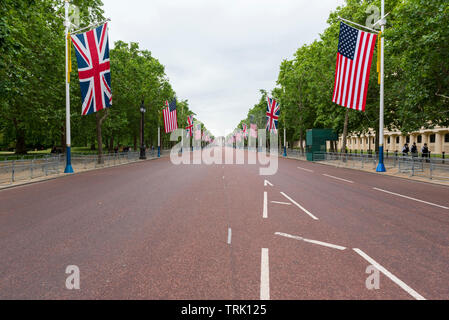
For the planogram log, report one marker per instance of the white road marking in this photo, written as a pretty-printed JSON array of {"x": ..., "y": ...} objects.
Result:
[
  {"x": 325, "y": 244},
  {"x": 264, "y": 276},
  {"x": 279, "y": 202},
  {"x": 223, "y": 177},
  {"x": 267, "y": 182},
  {"x": 308, "y": 170},
  {"x": 299, "y": 206},
  {"x": 392, "y": 277},
  {"x": 327, "y": 175},
  {"x": 265, "y": 210},
  {"x": 400, "y": 195},
  {"x": 229, "y": 235}
]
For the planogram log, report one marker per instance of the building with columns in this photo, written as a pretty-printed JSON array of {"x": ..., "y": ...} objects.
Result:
[{"x": 437, "y": 140}]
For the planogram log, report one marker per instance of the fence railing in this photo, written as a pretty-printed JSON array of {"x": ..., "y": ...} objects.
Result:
[
  {"x": 431, "y": 168},
  {"x": 26, "y": 169}
]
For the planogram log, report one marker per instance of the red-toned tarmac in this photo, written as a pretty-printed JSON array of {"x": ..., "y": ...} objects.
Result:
[{"x": 155, "y": 230}]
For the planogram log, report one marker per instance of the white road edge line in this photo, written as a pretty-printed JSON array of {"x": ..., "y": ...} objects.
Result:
[
  {"x": 265, "y": 182},
  {"x": 308, "y": 170},
  {"x": 265, "y": 210},
  {"x": 264, "y": 276},
  {"x": 392, "y": 277},
  {"x": 229, "y": 235},
  {"x": 279, "y": 202},
  {"x": 327, "y": 175},
  {"x": 325, "y": 244},
  {"x": 400, "y": 195},
  {"x": 299, "y": 206}
]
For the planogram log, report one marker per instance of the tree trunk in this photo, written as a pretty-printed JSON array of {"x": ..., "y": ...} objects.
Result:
[
  {"x": 20, "y": 139},
  {"x": 111, "y": 144},
  {"x": 345, "y": 131},
  {"x": 301, "y": 138},
  {"x": 100, "y": 120},
  {"x": 135, "y": 142},
  {"x": 63, "y": 141}
]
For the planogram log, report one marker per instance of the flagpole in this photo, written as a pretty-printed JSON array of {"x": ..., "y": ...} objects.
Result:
[
  {"x": 68, "y": 167},
  {"x": 381, "y": 166}
]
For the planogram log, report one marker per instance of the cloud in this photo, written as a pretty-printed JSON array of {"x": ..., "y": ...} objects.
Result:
[{"x": 218, "y": 54}]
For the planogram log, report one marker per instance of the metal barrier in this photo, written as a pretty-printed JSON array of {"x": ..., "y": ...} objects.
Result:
[
  {"x": 431, "y": 168},
  {"x": 27, "y": 169}
]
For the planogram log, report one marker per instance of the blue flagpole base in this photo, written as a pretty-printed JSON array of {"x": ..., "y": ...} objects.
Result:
[
  {"x": 285, "y": 151},
  {"x": 381, "y": 168},
  {"x": 68, "y": 166},
  {"x": 158, "y": 152}
]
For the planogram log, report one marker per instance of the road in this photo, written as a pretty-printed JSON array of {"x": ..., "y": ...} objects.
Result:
[{"x": 155, "y": 230}]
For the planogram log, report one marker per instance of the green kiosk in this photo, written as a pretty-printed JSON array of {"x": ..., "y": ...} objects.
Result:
[{"x": 316, "y": 142}]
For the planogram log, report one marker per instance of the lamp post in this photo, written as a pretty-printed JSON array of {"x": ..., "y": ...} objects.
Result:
[
  {"x": 142, "y": 144},
  {"x": 381, "y": 166}
]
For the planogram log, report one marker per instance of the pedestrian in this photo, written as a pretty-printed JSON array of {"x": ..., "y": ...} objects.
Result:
[
  {"x": 425, "y": 151},
  {"x": 405, "y": 149},
  {"x": 414, "y": 150}
]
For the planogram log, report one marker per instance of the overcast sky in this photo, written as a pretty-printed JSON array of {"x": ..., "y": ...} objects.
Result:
[{"x": 218, "y": 54}]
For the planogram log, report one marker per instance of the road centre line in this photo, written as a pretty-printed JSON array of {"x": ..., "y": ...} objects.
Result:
[
  {"x": 299, "y": 206},
  {"x": 264, "y": 276},
  {"x": 265, "y": 210},
  {"x": 325, "y": 244},
  {"x": 392, "y": 277},
  {"x": 400, "y": 195},
  {"x": 308, "y": 170},
  {"x": 279, "y": 202},
  {"x": 229, "y": 235},
  {"x": 327, "y": 175}
]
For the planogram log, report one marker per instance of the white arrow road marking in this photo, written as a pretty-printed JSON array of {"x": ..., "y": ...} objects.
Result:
[
  {"x": 392, "y": 277},
  {"x": 325, "y": 244},
  {"x": 264, "y": 276},
  {"x": 267, "y": 182},
  {"x": 400, "y": 195},
  {"x": 229, "y": 235},
  {"x": 278, "y": 202},
  {"x": 299, "y": 206}
]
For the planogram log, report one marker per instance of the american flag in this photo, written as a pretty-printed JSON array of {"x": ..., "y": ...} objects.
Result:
[
  {"x": 189, "y": 127},
  {"x": 355, "y": 53},
  {"x": 94, "y": 71},
  {"x": 273, "y": 111},
  {"x": 170, "y": 116}
]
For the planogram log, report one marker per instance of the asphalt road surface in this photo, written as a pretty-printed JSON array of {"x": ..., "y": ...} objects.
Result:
[{"x": 155, "y": 230}]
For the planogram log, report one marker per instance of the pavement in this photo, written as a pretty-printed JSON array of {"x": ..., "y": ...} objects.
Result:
[{"x": 155, "y": 230}]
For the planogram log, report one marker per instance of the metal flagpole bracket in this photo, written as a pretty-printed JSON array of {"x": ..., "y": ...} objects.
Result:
[
  {"x": 359, "y": 25},
  {"x": 382, "y": 21},
  {"x": 91, "y": 26}
]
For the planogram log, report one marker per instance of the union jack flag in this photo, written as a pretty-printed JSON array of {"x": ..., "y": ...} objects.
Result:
[
  {"x": 245, "y": 130},
  {"x": 92, "y": 55},
  {"x": 189, "y": 127},
  {"x": 273, "y": 111}
]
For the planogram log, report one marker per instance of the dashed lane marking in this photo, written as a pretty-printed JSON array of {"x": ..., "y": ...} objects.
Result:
[
  {"x": 341, "y": 179},
  {"x": 264, "y": 276},
  {"x": 308, "y": 170},
  {"x": 400, "y": 195}
]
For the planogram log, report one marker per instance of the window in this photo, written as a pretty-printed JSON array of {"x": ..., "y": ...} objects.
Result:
[
  {"x": 446, "y": 137},
  {"x": 397, "y": 139},
  {"x": 366, "y": 140},
  {"x": 407, "y": 139},
  {"x": 432, "y": 138},
  {"x": 419, "y": 138},
  {"x": 388, "y": 140},
  {"x": 374, "y": 141}
]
